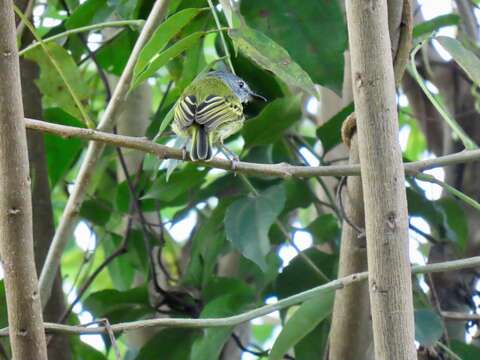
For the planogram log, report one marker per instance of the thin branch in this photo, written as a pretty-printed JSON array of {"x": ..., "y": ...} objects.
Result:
[
  {"x": 120, "y": 23},
  {"x": 282, "y": 170},
  {"x": 21, "y": 25},
  {"x": 94, "y": 151},
  {"x": 452, "y": 315},
  {"x": 222, "y": 37},
  {"x": 255, "y": 313}
]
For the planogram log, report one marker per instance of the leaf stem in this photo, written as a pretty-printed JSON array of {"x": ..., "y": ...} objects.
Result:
[
  {"x": 456, "y": 128},
  {"x": 222, "y": 37},
  {"x": 121, "y": 23}
]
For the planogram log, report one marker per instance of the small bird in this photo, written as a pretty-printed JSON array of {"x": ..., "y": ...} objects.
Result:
[{"x": 210, "y": 110}]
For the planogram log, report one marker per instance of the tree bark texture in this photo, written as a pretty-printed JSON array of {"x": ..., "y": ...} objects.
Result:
[
  {"x": 351, "y": 312},
  {"x": 383, "y": 181},
  {"x": 27, "y": 337}
]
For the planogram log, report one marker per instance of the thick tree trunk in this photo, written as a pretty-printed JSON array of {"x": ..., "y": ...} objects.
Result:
[
  {"x": 27, "y": 337},
  {"x": 383, "y": 180}
]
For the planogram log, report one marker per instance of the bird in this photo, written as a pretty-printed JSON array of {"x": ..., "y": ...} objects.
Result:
[{"x": 209, "y": 110}]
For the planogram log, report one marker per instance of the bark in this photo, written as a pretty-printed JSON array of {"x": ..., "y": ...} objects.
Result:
[
  {"x": 351, "y": 312},
  {"x": 43, "y": 226},
  {"x": 383, "y": 180},
  {"x": 27, "y": 337}
]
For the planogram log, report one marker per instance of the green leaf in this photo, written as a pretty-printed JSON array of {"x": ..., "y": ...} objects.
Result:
[
  {"x": 207, "y": 243},
  {"x": 467, "y": 60},
  {"x": 82, "y": 351},
  {"x": 61, "y": 153},
  {"x": 454, "y": 220},
  {"x": 105, "y": 301},
  {"x": 428, "y": 327},
  {"x": 314, "y": 343},
  {"x": 272, "y": 122},
  {"x": 324, "y": 228},
  {"x": 96, "y": 211},
  {"x": 298, "y": 275},
  {"x": 465, "y": 351},
  {"x": 271, "y": 56},
  {"x": 312, "y": 31},
  {"x": 248, "y": 220},
  {"x": 119, "y": 269},
  {"x": 90, "y": 12},
  {"x": 234, "y": 300},
  {"x": 52, "y": 85},
  {"x": 114, "y": 55},
  {"x": 3, "y": 306},
  {"x": 162, "y": 35},
  {"x": 429, "y": 26},
  {"x": 165, "y": 56},
  {"x": 169, "y": 344},
  {"x": 329, "y": 132},
  {"x": 302, "y": 322}
]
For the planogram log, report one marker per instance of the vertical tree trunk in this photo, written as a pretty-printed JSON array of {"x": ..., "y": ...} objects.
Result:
[
  {"x": 351, "y": 313},
  {"x": 383, "y": 180},
  {"x": 27, "y": 335}
]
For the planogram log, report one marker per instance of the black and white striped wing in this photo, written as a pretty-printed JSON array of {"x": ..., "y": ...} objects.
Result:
[
  {"x": 185, "y": 111},
  {"x": 215, "y": 111}
]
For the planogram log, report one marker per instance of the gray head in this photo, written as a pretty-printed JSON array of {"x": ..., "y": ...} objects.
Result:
[{"x": 238, "y": 86}]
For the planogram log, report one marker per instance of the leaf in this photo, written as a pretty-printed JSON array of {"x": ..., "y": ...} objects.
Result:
[
  {"x": 90, "y": 12},
  {"x": 52, "y": 85},
  {"x": 169, "y": 344},
  {"x": 298, "y": 276},
  {"x": 105, "y": 301},
  {"x": 271, "y": 56},
  {"x": 248, "y": 220},
  {"x": 314, "y": 343},
  {"x": 61, "y": 153},
  {"x": 454, "y": 220},
  {"x": 272, "y": 122},
  {"x": 96, "y": 211},
  {"x": 119, "y": 269},
  {"x": 114, "y": 55},
  {"x": 83, "y": 351},
  {"x": 329, "y": 132},
  {"x": 465, "y": 351},
  {"x": 234, "y": 300},
  {"x": 164, "y": 57},
  {"x": 429, "y": 26},
  {"x": 324, "y": 228},
  {"x": 207, "y": 243},
  {"x": 428, "y": 327},
  {"x": 467, "y": 60},
  {"x": 301, "y": 323},
  {"x": 162, "y": 35},
  {"x": 312, "y": 31}
]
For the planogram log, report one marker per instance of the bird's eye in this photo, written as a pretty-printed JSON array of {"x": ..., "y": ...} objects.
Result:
[{"x": 241, "y": 84}]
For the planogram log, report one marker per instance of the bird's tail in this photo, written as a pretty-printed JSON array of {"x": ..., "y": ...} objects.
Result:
[{"x": 201, "y": 144}]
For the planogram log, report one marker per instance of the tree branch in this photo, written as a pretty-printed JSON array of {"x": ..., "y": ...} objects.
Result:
[
  {"x": 252, "y": 314},
  {"x": 282, "y": 170},
  {"x": 383, "y": 181},
  {"x": 27, "y": 337},
  {"x": 92, "y": 155}
]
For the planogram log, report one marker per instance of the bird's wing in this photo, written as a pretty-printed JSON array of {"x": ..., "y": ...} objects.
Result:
[
  {"x": 217, "y": 110},
  {"x": 185, "y": 111}
]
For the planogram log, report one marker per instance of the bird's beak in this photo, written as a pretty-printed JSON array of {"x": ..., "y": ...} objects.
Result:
[{"x": 255, "y": 95}]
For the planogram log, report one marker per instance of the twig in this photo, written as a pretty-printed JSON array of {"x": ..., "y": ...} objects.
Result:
[
  {"x": 94, "y": 151},
  {"x": 465, "y": 198},
  {"x": 452, "y": 315},
  {"x": 255, "y": 313},
  {"x": 120, "y": 23},
  {"x": 456, "y": 128},
  {"x": 222, "y": 37},
  {"x": 21, "y": 25},
  {"x": 449, "y": 351},
  {"x": 111, "y": 335},
  {"x": 282, "y": 170}
]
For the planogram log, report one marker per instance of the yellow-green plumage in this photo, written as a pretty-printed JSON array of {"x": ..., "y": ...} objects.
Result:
[{"x": 210, "y": 110}]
